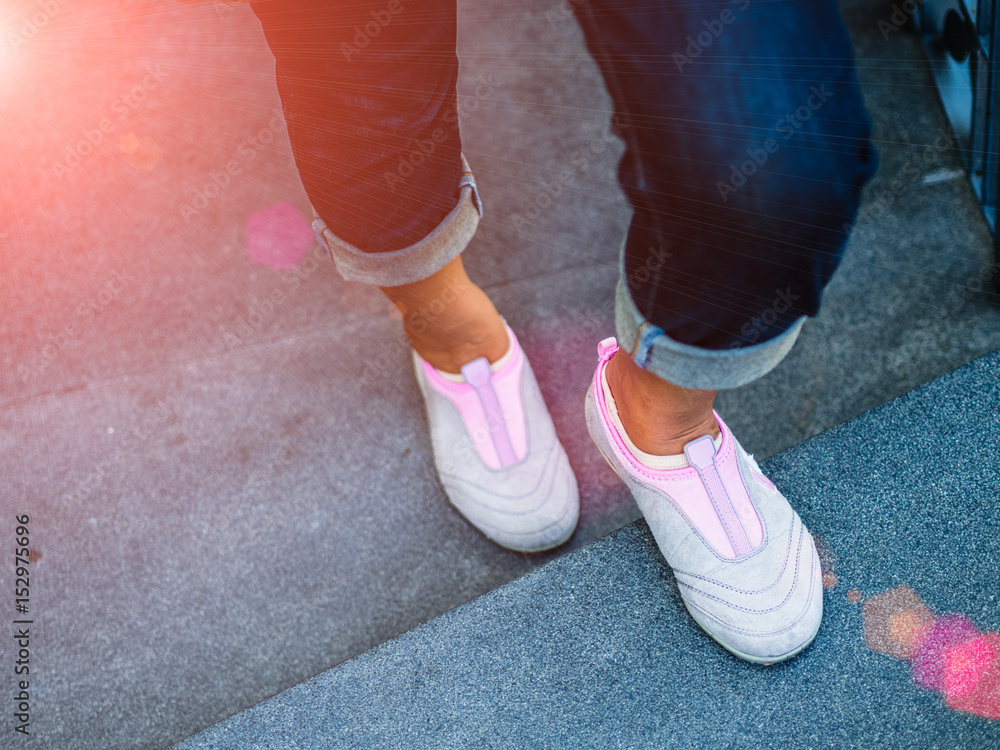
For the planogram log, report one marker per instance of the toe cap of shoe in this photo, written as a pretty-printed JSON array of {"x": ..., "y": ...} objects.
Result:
[
  {"x": 528, "y": 511},
  {"x": 767, "y": 624}
]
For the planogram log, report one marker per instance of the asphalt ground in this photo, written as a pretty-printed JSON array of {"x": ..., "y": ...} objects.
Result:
[
  {"x": 596, "y": 649},
  {"x": 226, "y": 466}
]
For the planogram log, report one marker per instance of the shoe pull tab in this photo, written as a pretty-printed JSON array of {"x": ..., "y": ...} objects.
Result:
[
  {"x": 701, "y": 455},
  {"x": 607, "y": 347},
  {"x": 479, "y": 375}
]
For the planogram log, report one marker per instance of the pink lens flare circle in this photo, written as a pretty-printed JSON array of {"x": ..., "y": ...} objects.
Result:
[
  {"x": 278, "y": 236},
  {"x": 947, "y": 654}
]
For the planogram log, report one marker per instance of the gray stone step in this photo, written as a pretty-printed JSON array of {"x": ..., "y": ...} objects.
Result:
[{"x": 595, "y": 649}]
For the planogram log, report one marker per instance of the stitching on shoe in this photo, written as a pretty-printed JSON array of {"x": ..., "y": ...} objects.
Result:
[
  {"x": 568, "y": 512},
  {"x": 464, "y": 485},
  {"x": 778, "y": 606},
  {"x": 784, "y": 565},
  {"x": 737, "y": 629}
]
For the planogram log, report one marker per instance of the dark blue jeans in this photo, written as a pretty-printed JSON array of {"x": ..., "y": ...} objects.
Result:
[{"x": 747, "y": 143}]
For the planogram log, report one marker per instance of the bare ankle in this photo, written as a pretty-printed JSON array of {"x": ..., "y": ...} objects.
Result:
[
  {"x": 448, "y": 320},
  {"x": 659, "y": 417},
  {"x": 455, "y": 343}
]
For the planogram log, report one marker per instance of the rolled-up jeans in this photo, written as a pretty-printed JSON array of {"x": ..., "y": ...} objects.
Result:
[{"x": 747, "y": 145}]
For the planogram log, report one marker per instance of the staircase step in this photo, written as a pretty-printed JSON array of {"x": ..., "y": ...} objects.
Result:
[{"x": 595, "y": 649}]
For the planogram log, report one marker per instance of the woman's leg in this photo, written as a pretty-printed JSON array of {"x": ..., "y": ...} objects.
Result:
[
  {"x": 448, "y": 320},
  {"x": 747, "y": 145},
  {"x": 369, "y": 94},
  {"x": 747, "y": 148}
]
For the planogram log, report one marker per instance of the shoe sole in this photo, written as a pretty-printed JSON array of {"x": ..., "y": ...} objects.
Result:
[{"x": 764, "y": 661}]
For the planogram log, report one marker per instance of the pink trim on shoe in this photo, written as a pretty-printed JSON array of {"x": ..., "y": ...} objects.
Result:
[
  {"x": 507, "y": 384},
  {"x": 763, "y": 481},
  {"x": 487, "y": 395},
  {"x": 477, "y": 373},
  {"x": 744, "y": 531}
]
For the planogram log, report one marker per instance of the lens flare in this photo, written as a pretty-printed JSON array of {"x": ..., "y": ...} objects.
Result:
[
  {"x": 893, "y": 621},
  {"x": 7, "y": 51},
  {"x": 929, "y": 661},
  {"x": 278, "y": 236},
  {"x": 947, "y": 654}
]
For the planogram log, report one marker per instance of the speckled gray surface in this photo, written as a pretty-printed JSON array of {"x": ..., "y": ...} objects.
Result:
[
  {"x": 225, "y": 510},
  {"x": 596, "y": 650}
]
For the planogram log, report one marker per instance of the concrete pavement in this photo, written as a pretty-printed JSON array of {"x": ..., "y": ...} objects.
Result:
[{"x": 226, "y": 496}]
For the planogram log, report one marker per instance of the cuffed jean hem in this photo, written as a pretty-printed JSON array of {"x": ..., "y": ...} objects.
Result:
[
  {"x": 421, "y": 259},
  {"x": 691, "y": 366}
]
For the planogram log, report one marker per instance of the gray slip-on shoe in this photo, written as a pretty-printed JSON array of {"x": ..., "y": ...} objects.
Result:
[
  {"x": 497, "y": 454},
  {"x": 746, "y": 566}
]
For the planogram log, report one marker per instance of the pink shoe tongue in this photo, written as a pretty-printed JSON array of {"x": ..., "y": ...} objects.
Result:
[
  {"x": 478, "y": 374},
  {"x": 701, "y": 455},
  {"x": 701, "y": 452}
]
